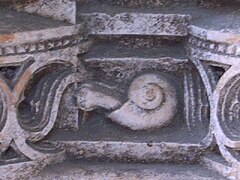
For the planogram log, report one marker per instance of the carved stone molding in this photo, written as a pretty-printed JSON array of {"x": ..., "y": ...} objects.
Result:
[{"x": 130, "y": 81}]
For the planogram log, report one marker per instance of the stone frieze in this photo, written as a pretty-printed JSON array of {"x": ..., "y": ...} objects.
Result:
[{"x": 133, "y": 81}]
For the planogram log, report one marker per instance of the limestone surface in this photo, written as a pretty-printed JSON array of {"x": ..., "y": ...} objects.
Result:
[{"x": 137, "y": 82}]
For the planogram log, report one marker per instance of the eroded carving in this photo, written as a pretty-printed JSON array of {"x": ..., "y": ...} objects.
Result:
[
  {"x": 152, "y": 104},
  {"x": 229, "y": 109},
  {"x": 92, "y": 96},
  {"x": 145, "y": 101},
  {"x": 41, "y": 98}
]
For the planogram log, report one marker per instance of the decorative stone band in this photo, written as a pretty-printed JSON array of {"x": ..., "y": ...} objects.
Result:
[
  {"x": 215, "y": 36},
  {"x": 214, "y": 46},
  {"x": 137, "y": 24},
  {"x": 41, "y": 40},
  {"x": 42, "y": 46}
]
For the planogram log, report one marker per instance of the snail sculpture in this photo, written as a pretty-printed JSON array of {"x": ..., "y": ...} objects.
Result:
[{"x": 152, "y": 103}]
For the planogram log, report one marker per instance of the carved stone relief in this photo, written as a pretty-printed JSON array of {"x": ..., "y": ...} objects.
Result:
[{"x": 130, "y": 81}]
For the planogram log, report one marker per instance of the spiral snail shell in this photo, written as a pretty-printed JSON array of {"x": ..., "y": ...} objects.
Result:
[{"x": 152, "y": 103}]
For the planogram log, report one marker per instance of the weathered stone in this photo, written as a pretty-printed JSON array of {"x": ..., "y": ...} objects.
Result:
[
  {"x": 152, "y": 104},
  {"x": 58, "y": 9},
  {"x": 136, "y": 23},
  {"x": 131, "y": 81}
]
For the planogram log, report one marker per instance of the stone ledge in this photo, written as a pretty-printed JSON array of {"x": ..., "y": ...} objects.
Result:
[{"x": 100, "y": 170}]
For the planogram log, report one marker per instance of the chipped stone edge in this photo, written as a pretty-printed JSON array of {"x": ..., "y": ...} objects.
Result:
[
  {"x": 57, "y": 9},
  {"x": 133, "y": 151},
  {"x": 125, "y": 24}
]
